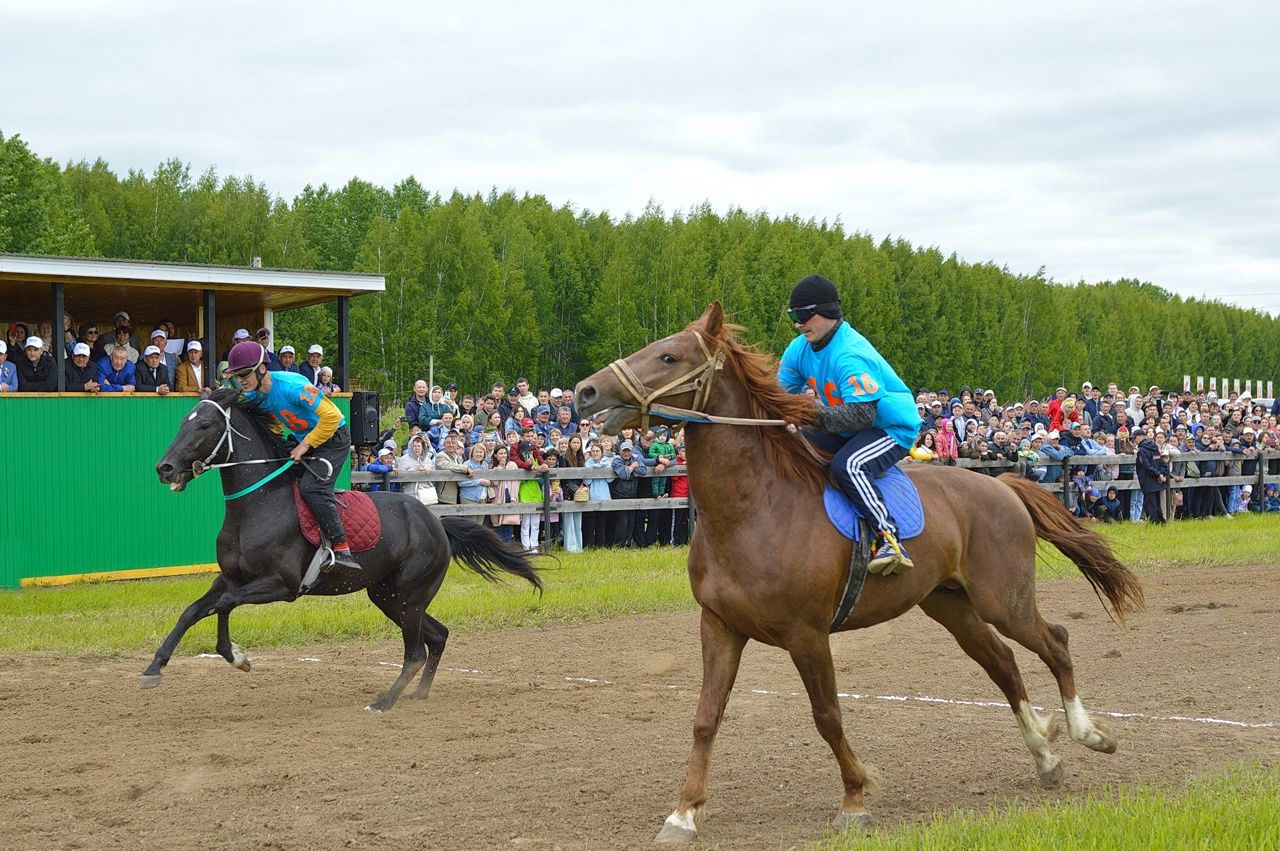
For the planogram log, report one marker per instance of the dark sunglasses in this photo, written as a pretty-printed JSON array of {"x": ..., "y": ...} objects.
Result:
[
  {"x": 245, "y": 373},
  {"x": 801, "y": 315}
]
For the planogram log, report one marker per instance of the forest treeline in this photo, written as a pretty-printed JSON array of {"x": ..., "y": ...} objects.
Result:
[{"x": 502, "y": 285}]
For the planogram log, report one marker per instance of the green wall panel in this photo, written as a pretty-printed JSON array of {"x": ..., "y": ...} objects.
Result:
[{"x": 81, "y": 492}]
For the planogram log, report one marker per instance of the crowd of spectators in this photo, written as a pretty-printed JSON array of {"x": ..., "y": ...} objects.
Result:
[
  {"x": 1166, "y": 432},
  {"x": 519, "y": 429},
  {"x": 120, "y": 361},
  {"x": 516, "y": 428}
]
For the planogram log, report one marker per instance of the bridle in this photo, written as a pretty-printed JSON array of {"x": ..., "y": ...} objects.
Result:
[
  {"x": 699, "y": 380},
  {"x": 228, "y": 439}
]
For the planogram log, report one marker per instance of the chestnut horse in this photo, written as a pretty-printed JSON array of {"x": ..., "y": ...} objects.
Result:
[{"x": 974, "y": 563}]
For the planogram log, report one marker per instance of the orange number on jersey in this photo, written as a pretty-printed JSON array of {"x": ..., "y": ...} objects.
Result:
[
  {"x": 869, "y": 384},
  {"x": 832, "y": 393},
  {"x": 309, "y": 394},
  {"x": 292, "y": 421}
]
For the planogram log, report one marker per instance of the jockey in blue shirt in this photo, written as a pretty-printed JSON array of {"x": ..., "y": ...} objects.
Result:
[
  {"x": 296, "y": 404},
  {"x": 868, "y": 417}
]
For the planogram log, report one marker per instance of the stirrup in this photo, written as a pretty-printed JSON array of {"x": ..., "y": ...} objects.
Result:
[
  {"x": 344, "y": 559},
  {"x": 890, "y": 557}
]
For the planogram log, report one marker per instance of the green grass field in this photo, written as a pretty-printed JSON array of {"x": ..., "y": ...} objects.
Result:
[
  {"x": 1236, "y": 811},
  {"x": 117, "y": 617}
]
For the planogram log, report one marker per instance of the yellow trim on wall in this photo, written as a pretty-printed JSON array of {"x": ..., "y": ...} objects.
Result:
[{"x": 109, "y": 575}]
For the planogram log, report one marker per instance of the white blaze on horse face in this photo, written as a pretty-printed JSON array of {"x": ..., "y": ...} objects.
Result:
[{"x": 191, "y": 417}]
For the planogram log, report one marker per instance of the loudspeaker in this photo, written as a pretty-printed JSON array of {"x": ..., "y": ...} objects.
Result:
[{"x": 365, "y": 417}]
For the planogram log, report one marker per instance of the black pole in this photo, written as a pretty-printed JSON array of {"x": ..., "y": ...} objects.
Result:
[
  {"x": 59, "y": 337},
  {"x": 210, "y": 338},
  {"x": 344, "y": 341}
]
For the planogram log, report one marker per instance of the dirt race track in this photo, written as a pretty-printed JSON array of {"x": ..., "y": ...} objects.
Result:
[{"x": 576, "y": 737}]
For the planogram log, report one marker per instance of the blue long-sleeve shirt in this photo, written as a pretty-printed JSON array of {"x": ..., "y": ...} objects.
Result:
[
  {"x": 9, "y": 375},
  {"x": 113, "y": 381}
]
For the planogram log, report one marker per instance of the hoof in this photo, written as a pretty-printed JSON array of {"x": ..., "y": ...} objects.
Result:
[
  {"x": 673, "y": 834},
  {"x": 374, "y": 709},
  {"x": 1101, "y": 743},
  {"x": 857, "y": 821},
  {"x": 239, "y": 660},
  {"x": 149, "y": 681},
  {"x": 1051, "y": 778}
]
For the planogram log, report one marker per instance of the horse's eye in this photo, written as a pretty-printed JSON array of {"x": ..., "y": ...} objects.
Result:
[
  {"x": 667, "y": 359},
  {"x": 205, "y": 426}
]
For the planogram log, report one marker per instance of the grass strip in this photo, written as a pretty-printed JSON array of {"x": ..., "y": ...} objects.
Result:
[
  {"x": 1235, "y": 810},
  {"x": 117, "y": 617}
]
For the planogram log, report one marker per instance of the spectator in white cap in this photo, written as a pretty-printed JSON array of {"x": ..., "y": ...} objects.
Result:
[
  {"x": 82, "y": 376},
  {"x": 153, "y": 374},
  {"x": 263, "y": 336},
  {"x": 160, "y": 339},
  {"x": 192, "y": 373},
  {"x": 35, "y": 371},
  {"x": 123, "y": 336},
  {"x": 8, "y": 372},
  {"x": 240, "y": 335},
  {"x": 311, "y": 369},
  {"x": 122, "y": 320},
  {"x": 288, "y": 359}
]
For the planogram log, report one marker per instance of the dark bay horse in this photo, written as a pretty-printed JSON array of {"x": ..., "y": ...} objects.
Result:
[
  {"x": 262, "y": 555},
  {"x": 765, "y": 563}
]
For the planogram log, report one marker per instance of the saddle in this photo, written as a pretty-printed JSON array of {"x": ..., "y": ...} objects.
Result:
[
  {"x": 359, "y": 518},
  {"x": 903, "y": 502}
]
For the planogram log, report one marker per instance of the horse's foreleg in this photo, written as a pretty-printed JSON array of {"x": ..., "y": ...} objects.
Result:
[
  {"x": 1049, "y": 641},
  {"x": 812, "y": 657},
  {"x": 954, "y": 611},
  {"x": 721, "y": 654},
  {"x": 197, "y": 611},
  {"x": 435, "y": 634},
  {"x": 227, "y": 648}
]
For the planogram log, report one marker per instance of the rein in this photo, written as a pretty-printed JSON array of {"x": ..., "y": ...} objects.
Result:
[
  {"x": 696, "y": 381},
  {"x": 199, "y": 467}
]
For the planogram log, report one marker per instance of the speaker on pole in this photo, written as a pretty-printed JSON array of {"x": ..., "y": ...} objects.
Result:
[{"x": 365, "y": 417}]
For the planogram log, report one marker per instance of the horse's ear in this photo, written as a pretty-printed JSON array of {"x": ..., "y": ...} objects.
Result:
[{"x": 713, "y": 318}]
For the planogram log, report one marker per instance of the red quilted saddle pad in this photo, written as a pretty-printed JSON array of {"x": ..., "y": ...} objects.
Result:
[{"x": 359, "y": 517}]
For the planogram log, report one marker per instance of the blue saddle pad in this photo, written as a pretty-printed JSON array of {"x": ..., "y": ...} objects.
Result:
[{"x": 900, "y": 495}]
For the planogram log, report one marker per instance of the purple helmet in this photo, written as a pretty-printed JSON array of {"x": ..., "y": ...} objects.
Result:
[{"x": 245, "y": 355}]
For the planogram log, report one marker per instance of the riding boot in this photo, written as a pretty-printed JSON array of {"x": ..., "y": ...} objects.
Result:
[{"x": 344, "y": 558}]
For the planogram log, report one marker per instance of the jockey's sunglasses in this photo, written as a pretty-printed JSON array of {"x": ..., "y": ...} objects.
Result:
[
  {"x": 245, "y": 373},
  {"x": 801, "y": 315}
]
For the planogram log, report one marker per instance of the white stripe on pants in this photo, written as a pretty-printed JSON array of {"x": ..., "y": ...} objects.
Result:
[{"x": 862, "y": 481}]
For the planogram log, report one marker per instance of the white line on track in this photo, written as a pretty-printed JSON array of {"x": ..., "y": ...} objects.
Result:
[{"x": 882, "y": 698}]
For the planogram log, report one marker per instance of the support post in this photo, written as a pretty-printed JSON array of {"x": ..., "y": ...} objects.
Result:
[
  {"x": 344, "y": 342},
  {"x": 210, "y": 339},
  {"x": 59, "y": 343}
]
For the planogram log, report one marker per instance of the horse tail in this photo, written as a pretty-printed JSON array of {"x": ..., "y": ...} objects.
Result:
[
  {"x": 1087, "y": 549},
  {"x": 480, "y": 548}
]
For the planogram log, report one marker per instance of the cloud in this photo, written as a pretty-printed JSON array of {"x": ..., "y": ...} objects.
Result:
[{"x": 1098, "y": 140}]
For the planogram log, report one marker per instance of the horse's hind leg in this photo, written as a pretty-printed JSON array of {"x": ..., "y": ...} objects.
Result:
[
  {"x": 811, "y": 655},
  {"x": 435, "y": 635},
  {"x": 721, "y": 654},
  {"x": 954, "y": 611},
  {"x": 1049, "y": 642},
  {"x": 406, "y": 614}
]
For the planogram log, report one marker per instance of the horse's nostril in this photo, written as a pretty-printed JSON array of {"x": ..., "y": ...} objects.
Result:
[
  {"x": 164, "y": 468},
  {"x": 587, "y": 395}
]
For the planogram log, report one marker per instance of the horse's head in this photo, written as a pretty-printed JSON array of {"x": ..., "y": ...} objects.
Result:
[
  {"x": 677, "y": 370},
  {"x": 199, "y": 438}
]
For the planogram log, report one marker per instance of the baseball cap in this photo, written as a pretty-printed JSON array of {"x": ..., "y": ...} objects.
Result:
[
  {"x": 526, "y": 423},
  {"x": 4, "y": 348},
  {"x": 316, "y": 349},
  {"x": 159, "y": 332},
  {"x": 542, "y": 409},
  {"x": 556, "y": 391},
  {"x": 385, "y": 451},
  {"x": 240, "y": 334},
  {"x": 34, "y": 343},
  {"x": 626, "y": 444},
  {"x": 1054, "y": 433},
  {"x": 121, "y": 313},
  {"x": 262, "y": 331},
  {"x": 77, "y": 349},
  {"x": 194, "y": 346},
  {"x": 288, "y": 349},
  {"x": 150, "y": 350}
]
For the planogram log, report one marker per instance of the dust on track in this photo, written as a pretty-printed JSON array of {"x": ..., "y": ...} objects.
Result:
[{"x": 577, "y": 736}]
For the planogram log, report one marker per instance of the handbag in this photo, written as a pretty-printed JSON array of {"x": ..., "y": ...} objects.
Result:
[
  {"x": 1193, "y": 470},
  {"x": 582, "y": 494},
  {"x": 427, "y": 493}
]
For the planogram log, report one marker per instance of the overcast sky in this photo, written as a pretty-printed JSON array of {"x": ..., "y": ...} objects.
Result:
[{"x": 1096, "y": 140}]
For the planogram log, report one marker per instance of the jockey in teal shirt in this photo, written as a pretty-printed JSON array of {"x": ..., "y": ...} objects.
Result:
[{"x": 868, "y": 417}]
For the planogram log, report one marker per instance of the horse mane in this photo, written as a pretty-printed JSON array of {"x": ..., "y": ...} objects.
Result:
[
  {"x": 757, "y": 371},
  {"x": 260, "y": 419}
]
